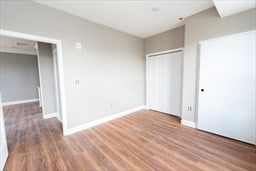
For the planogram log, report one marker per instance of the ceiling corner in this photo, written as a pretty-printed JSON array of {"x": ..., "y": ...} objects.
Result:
[{"x": 230, "y": 7}]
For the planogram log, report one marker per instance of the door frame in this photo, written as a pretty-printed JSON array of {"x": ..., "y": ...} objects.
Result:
[
  {"x": 3, "y": 145},
  {"x": 60, "y": 71},
  {"x": 40, "y": 97},
  {"x": 56, "y": 81},
  {"x": 161, "y": 53}
]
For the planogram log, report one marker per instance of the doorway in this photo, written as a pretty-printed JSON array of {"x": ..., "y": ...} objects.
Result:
[
  {"x": 58, "y": 62},
  {"x": 58, "y": 77}
]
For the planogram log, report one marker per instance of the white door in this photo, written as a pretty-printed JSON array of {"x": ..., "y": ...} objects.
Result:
[
  {"x": 3, "y": 142},
  {"x": 164, "y": 82},
  {"x": 153, "y": 83},
  {"x": 227, "y": 83}
]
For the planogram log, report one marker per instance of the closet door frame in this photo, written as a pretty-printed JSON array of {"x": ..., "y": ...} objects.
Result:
[{"x": 156, "y": 54}]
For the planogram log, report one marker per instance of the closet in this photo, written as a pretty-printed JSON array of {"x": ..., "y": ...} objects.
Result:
[{"x": 164, "y": 82}]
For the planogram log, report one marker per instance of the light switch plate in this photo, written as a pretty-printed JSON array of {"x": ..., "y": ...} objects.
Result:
[
  {"x": 78, "y": 45},
  {"x": 76, "y": 83}
]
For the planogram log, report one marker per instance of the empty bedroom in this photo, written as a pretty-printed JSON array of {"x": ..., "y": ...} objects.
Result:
[{"x": 127, "y": 85}]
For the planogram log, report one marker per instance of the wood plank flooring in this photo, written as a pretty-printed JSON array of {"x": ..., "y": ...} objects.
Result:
[{"x": 145, "y": 140}]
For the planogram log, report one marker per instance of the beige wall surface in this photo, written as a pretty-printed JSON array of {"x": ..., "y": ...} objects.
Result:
[
  {"x": 171, "y": 39},
  {"x": 203, "y": 26},
  {"x": 46, "y": 71},
  {"x": 110, "y": 65},
  {"x": 19, "y": 77}
]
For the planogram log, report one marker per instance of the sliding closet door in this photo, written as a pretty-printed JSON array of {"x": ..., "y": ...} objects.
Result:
[
  {"x": 227, "y": 86},
  {"x": 164, "y": 82},
  {"x": 154, "y": 85}
]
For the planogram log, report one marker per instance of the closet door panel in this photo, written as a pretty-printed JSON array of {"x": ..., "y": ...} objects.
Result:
[
  {"x": 154, "y": 83},
  {"x": 151, "y": 82},
  {"x": 172, "y": 83}
]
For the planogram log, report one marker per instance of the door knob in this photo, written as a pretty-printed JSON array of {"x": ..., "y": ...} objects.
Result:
[{"x": 202, "y": 90}]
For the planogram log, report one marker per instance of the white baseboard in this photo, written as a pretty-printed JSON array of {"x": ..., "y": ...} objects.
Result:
[
  {"x": 4, "y": 154},
  {"x": 102, "y": 120},
  {"x": 19, "y": 102},
  {"x": 147, "y": 108},
  {"x": 188, "y": 123},
  {"x": 50, "y": 115},
  {"x": 58, "y": 117}
]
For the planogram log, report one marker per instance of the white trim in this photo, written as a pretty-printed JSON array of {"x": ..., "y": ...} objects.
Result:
[
  {"x": 4, "y": 151},
  {"x": 230, "y": 35},
  {"x": 62, "y": 87},
  {"x": 102, "y": 120},
  {"x": 27, "y": 36},
  {"x": 3, "y": 144},
  {"x": 188, "y": 123},
  {"x": 60, "y": 65},
  {"x": 165, "y": 51},
  {"x": 58, "y": 117},
  {"x": 19, "y": 102},
  {"x": 50, "y": 115},
  {"x": 39, "y": 96},
  {"x": 56, "y": 81},
  {"x": 17, "y": 51},
  {"x": 40, "y": 80},
  {"x": 147, "y": 108}
]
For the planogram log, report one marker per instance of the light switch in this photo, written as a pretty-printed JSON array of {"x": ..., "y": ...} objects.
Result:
[
  {"x": 77, "y": 83},
  {"x": 78, "y": 45}
]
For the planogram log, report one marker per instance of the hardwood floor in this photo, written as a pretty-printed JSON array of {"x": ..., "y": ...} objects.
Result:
[{"x": 145, "y": 140}]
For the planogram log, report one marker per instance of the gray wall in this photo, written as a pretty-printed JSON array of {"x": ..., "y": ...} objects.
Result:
[
  {"x": 203, "y": 26},
  {"x": 110, "y": 66},
  {"x": 47, "y": 81},
  {"x": 19, "y": 77},
  {"x": 171, "y": 39}
]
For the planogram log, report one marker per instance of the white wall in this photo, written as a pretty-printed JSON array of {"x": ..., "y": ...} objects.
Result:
[
  {"x": 19, "y": 77},
  {"x": 203, "y": 26},
  {"x": 110, "y": 65}
]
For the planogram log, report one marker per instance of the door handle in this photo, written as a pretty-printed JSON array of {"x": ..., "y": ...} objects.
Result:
[{"x": 202, "y": 90}]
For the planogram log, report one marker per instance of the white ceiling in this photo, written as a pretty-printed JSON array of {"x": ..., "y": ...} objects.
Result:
[
  {"x": 14, "y": 45},
  {"x": 145, "y": 18},
  {"x": 230, "y": 7},
  {"x": 134, "y": 17}
]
